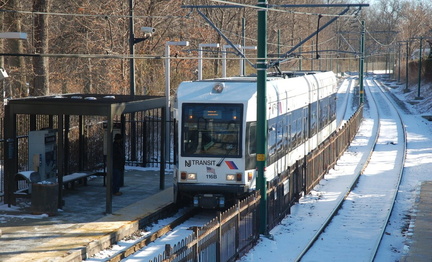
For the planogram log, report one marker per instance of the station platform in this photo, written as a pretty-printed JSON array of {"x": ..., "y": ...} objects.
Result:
[
  {"x": 81, "y": 227},
  {"x": 420, "y": 246}
]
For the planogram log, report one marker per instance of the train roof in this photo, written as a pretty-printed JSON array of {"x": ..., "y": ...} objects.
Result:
[
  {"x": 270, "y": 76},
  {"x": 240, "y": 89},
  {"x": 252, "y": 79}
]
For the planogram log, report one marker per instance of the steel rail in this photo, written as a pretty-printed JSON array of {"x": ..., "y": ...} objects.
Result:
[
  {"x": 399, "y": 123},
  {"x": 377, "y": 244},
  {"x": 360, "y": 169}
]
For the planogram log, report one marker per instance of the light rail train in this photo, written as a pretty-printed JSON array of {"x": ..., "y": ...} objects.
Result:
[{"x": 216, "y": 131}]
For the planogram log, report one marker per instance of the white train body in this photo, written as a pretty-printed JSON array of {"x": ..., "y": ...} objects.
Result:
[{"x": 216, "y": 132}]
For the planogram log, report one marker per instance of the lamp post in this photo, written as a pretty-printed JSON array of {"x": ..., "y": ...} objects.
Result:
[
  {"x": 224, "y": 48},
  {"x": 167, "y": 91},
  {"x": 200, "y": 53},
  {"x": 9, "y": 35},
  {"x": 132, "y": 88},
  {"x": 242, "y": 61}
]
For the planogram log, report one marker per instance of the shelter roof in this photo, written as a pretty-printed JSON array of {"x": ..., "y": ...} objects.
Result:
[{"x": 85, "y": 104}]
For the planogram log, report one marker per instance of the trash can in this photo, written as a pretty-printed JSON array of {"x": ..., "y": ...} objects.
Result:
[{"x": 44, "y": 198}]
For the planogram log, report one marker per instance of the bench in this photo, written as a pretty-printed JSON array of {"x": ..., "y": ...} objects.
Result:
[
  {"x": 81, "y": 178},
  {"x": 26, "y": 178},
  {"x": 68, "y": 181}
]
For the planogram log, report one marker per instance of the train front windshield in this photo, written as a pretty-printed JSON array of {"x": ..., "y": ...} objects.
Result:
[{"x": 212, "y": 130}]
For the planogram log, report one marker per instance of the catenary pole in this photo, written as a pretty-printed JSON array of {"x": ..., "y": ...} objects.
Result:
[
  {"x": 418, "y": 97},
  {"x": 362, "y": 56},
  {"x": 261, "y": 112}
]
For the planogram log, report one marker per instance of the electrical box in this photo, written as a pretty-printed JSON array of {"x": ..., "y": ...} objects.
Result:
[{"x": 43, "y": 153}]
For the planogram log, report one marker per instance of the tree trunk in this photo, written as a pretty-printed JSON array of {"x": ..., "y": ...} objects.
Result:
[
  {"x": 40, "y": 64},
  {"x": 16, "y": 83}
]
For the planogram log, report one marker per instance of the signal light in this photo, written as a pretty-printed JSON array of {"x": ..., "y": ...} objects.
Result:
[
  {"x": 239, "y": 177},
  {"x": 250, "y": 176}
]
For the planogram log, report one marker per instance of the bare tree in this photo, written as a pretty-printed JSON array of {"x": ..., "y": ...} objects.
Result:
[
  {"x": 40, "y": 64},
  {"x": 15, "y": 64}
]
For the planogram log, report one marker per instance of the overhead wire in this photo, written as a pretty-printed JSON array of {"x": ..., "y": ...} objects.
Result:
[
  {"x": 106, "y": 16},
  {"x": 88, "y": 15},
  {"x": 279, "y": 10}
]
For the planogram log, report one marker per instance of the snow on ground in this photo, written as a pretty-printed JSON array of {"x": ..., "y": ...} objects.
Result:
[
  {"x": 395, "y": 243},
  {"x": 294, "y": 230}
]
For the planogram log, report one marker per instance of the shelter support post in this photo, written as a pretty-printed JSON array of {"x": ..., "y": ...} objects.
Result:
[
  {"x": 162, "y": 151},
  {"x": 60, "y": 159},
  {"x": 10, "y": 155},
  {"x": 109, "y": 176}
]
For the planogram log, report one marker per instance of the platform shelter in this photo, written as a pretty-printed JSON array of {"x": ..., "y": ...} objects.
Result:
[{"x": 110, "y": 107}]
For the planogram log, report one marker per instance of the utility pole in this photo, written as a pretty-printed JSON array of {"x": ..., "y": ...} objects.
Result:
[{"x": 132, "y": 77}]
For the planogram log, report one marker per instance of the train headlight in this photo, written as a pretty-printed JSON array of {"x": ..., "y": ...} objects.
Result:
[
  {"x": 192, "y": 176},
  {"x": 230, "y": 177}
]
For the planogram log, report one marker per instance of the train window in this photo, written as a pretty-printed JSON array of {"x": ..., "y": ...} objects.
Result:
[
  {"x": 250, "y": 157},
  {"x": 272, "y": 136},
  {"x": 211, "y": 130},
  {"x": 323, "y": 113},
  {"x": 280, "y": 132},
  {"x": 287, "y": 132},
  {"x": 313, "y": 119},
  {"x": 251, "y": 138},
  {"x": 299, "y": 128},
  {"x": 332, "y": 107},
  {"x": 305, "y": 124}
]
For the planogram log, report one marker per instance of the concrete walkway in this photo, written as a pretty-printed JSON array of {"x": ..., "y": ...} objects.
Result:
[
  {"x": 81, "y": 229},
  {"x": 421, "y": 241}
]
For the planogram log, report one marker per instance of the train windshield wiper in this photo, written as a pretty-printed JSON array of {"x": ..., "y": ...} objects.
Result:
[{"x": 230, "y": 148}]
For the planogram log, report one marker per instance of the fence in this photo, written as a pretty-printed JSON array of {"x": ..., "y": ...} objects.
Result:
[
  {"x": 231, "y": 234},
  {"x": 225, "y": 237},
  {"x": 236, "y": 230}
]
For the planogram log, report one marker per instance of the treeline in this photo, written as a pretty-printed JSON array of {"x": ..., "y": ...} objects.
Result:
[{"x": 83, "y": 46}]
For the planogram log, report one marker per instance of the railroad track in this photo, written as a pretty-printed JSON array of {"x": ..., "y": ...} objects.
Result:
[
  {"x": 148, "y": 245},
  {"x": 379, "y": 116},
  {"x": 349, "y": 226}
]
